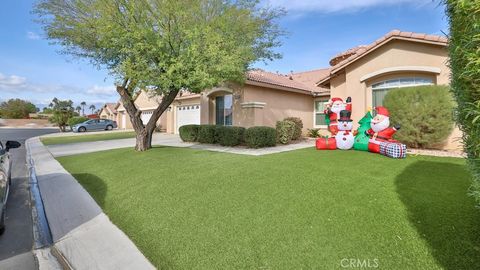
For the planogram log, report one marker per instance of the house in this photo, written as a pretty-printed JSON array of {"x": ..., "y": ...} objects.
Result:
[
  {"x": 366, "y": 73},
  {"x": 108, "y": 111}
]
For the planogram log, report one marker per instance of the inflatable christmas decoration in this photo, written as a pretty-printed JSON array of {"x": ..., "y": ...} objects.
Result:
[
  {"x": 327, "y": 143},
  {"x": 361, "y": 139},
  {"x": 381, "y": 136},
  {"x": 332, "y": 112},
  {"x": 344, "y": 138}
]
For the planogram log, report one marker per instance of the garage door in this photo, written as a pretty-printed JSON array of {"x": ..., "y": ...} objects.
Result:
[
  {"x": 146, "y": 116},
  {"x": 188, "y": 115}
]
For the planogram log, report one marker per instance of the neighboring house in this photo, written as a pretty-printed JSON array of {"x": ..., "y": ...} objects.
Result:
[
  {"x": 366, "y": 73},
  {"x": 109, "y": 111}
]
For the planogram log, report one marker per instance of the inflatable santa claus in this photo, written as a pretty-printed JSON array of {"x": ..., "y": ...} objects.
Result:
[
  {"x": 334, "y": 107},
  {"x": 380, "y": 130},
  {"x": 345, "y": 137}
]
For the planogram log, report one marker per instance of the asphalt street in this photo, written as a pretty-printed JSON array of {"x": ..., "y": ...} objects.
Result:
[{"x": 17, "y": 241}]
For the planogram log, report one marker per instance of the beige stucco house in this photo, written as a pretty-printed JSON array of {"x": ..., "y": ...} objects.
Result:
[
  {"x": 108, "y": 111},
  {"x": 366, "y": 73}
]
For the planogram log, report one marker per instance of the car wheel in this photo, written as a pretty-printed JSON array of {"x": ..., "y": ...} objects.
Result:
[
  {"x": 109, "y": 127},
  {"x": 82, "y": 129},
  {"x": 2, "y": 221}
]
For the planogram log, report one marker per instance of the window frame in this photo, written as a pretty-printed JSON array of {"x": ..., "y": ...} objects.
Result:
[
  {"x": 224, "y": 110},
  {"x": 422, "y": 80},
  {"x": 324, "y": 100}
]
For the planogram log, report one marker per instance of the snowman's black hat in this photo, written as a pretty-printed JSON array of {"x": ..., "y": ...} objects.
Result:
[{"x": 345, "y": 116}]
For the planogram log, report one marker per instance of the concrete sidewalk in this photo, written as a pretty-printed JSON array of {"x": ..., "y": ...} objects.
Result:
[
  {"x": 83, "y": 236},
  {"x": 172, "y": 140}
]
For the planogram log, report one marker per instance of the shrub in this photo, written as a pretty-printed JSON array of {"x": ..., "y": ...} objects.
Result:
[
  {"x": 425, "y": 114},
  {"x": 465, "y": 66},
  {"x": 76, "y": 120},
  {"x": 298, "y": 127},
  {"x": 188, "y": 133},
  {"x": 285, "y": 131},
  {"x": 314, "y": 133},
  {"x": 206, "y": 134},
  {"x": 257, "y": 137},
  {"x": 229, "y": 136}
]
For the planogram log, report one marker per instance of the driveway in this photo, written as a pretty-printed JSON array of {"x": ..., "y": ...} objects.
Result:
[{"x": 17, "y": 241}]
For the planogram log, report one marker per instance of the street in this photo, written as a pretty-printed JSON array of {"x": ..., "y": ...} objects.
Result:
[{"x": 17, "y": 241}]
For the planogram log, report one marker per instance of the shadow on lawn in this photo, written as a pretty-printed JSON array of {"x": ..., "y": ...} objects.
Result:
[
  {"x": 94, "y": 185},
  {"x": 435, "y": 195}
]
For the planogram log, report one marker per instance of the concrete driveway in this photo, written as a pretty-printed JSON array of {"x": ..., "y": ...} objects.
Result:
[{"x": 60, "y": 150}]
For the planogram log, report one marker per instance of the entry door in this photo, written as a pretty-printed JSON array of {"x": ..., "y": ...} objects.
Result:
[{"x": 188, "y": 115}]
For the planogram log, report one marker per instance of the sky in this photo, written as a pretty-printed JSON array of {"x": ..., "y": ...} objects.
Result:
[{"x": 33, "y": 69}]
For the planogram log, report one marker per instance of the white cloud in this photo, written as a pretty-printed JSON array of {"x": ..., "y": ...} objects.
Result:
[
  {"x": 328, "y": 6},
  {"x": 32, "y": 35},
  {"x": 12, "y": 81},
  {"x": 101, "y": 90}
]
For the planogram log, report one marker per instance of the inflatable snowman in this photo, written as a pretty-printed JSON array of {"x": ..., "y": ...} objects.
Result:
[{"x": 345, "y": 138}]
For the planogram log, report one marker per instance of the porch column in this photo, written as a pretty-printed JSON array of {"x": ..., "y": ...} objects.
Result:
[{"x": 253, "y": 112}]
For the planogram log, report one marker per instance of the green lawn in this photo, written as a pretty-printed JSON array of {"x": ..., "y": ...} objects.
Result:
[
  {"x": 305, "y": 209},
  {"x": 87, "y": 138}
]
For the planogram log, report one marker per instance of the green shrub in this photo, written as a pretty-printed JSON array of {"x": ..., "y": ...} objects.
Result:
[
  {"x": 76, "y": 120},
  {"x": 229, "y": 136},
  {"x": 314, "y": 133},
  {"x": 188, "y": 133},
  {"x": 206, "y": 134},
  {"x": 285, "y": 131},
  {"x": 297, "y": 134},
  {"x": 257, "y": 137},
  {"x": 425, "y": 114},
  {"x": 464, "y": 61}
]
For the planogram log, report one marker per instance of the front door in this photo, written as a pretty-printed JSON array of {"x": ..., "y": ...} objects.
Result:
[{"x": 223, "y": 110}]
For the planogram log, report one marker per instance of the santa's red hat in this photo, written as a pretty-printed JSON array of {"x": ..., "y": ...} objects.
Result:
[
  {"x": 336, "y": 99},
  {"x": 382, "y": 111}
]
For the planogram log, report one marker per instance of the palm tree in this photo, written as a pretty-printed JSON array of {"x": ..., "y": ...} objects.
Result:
[
  {"x": 78, "y": 109},
  {"x": 92, "y": 108},
  {"x": 83, "y": 104}
]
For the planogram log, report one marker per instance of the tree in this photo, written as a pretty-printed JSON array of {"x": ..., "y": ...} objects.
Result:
[
  {"x": 464, "y": 44},
  {"x": 83, "y": 104},
  {"x": 92, "y": 108},
  {"x": 17, "y": 109},
  {"x": 62, "y": 112},
  {"x": 78, "y": 109},
  {"x": 164, "y": 46}
]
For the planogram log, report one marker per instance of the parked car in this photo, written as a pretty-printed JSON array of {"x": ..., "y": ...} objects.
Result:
[
  {"x": 95, "y": 124},
  {"x": 5, "y": 179}
]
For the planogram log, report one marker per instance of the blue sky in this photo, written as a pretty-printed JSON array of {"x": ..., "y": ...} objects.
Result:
[{"x": 31, "y": 68}]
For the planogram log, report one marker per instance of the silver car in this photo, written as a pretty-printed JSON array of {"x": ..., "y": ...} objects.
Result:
[
  {"x": 95, "y": 124},
  {"x": 5, "y": 176}
]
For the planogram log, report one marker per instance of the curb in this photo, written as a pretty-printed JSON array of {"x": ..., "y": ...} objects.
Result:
[{"x": 82, "y": 236}]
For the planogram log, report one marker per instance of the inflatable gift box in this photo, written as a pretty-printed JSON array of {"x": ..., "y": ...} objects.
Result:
[
  {"x": 326, "y": 144},
  {"x": 393, "y": 149}
]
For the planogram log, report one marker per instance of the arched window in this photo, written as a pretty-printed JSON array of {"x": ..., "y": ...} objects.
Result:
[{"x": 380, "y": 90}]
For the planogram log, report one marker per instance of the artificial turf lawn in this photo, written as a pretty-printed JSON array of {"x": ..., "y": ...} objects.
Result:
[
  {"x": 305, "y": 209},
  {"x": 87, "y": 138}
]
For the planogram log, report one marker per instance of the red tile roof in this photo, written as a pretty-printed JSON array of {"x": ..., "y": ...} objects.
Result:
[
  {"x": 287, "y": 81},
  {"x": 395, "y": 34}
]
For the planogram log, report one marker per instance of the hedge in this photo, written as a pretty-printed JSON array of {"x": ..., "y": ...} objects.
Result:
[
  {"x": 257, "y": 137},
  {"x": 425, "y": 114},
  {"x": 298, "y": 127},
  {"x": 76, "y": 120},
  {"x": 229, "y": 136},
  {"x": 464, "y": 42},
  {"x": 206, "y": 134},
  {"x": 285, "y": 131},
  {"x": 188, "y": 133}
]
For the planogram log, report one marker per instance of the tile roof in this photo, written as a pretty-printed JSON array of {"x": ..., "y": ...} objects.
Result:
[
  {"x": 395, "y": 34},
  {"x": 311, "y": 77},
  {"x": 112, "y": 107},
  {"x": 281, "y": 80}
]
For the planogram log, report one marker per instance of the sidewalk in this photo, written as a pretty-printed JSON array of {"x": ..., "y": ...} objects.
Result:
[
  {"x": 171, "y": 140},
  {"x": 83, "y": 236}
]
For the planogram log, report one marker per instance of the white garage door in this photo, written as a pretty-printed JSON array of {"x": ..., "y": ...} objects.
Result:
[
  {"x": 146, "y": 116},
  {"x": 188, "y": 115}
]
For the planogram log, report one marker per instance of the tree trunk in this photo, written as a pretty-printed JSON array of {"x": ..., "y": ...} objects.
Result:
[{"x": 144, "y": 132}]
